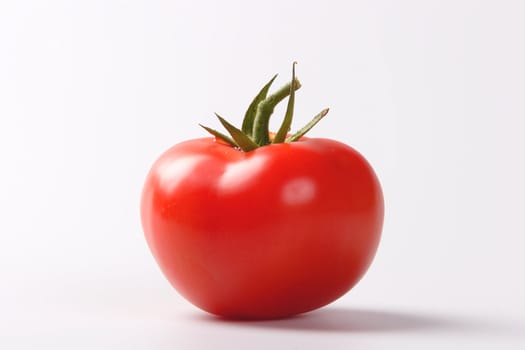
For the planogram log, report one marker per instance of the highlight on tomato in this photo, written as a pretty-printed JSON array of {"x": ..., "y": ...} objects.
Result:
[{"x": 251, "y": 224}]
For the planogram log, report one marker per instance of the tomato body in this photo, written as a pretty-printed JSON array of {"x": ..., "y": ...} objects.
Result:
[{"x": 280, "y": 230}]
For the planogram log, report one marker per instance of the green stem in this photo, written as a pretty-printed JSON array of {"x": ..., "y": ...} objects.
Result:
[
  {"x": 264, "y": 111},
  {"x": 254, "y": 132},
  {"x": 280, "y": 136}
]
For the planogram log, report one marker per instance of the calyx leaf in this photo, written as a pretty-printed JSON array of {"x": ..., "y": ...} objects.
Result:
[{"x": 254, "y": 132}]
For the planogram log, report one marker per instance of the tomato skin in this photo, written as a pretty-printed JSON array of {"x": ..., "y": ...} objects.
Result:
[{"x": 280, "y": 230}]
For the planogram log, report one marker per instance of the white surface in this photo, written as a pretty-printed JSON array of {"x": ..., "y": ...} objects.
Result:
[{"x": 431, "y": 92}]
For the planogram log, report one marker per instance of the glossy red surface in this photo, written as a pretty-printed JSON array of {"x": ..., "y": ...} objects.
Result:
[{"x": 281, "y": 230}]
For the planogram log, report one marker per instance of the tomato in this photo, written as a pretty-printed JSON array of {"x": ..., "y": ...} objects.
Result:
[{"x": 276, "y": 231}]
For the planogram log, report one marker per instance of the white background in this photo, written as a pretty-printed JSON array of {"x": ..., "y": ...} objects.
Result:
[{"x": 431, "y": 92}]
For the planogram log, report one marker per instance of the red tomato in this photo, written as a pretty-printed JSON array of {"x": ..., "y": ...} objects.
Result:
[{"x": 280, "y": 230}]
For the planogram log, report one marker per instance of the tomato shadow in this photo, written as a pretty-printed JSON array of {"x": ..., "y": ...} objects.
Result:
[{"x": 335, "y": 319}]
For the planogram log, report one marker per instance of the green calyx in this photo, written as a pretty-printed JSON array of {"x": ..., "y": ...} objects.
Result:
[{"x": 255, "y": 132}]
